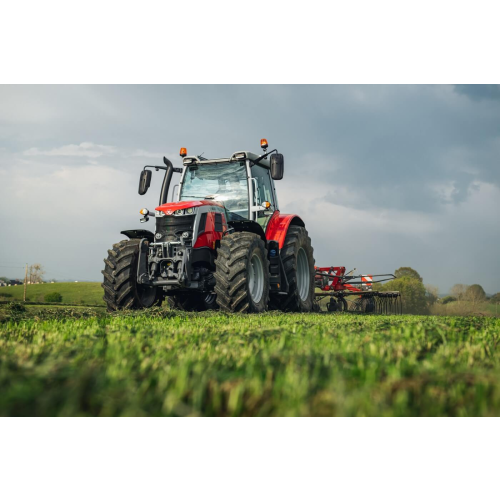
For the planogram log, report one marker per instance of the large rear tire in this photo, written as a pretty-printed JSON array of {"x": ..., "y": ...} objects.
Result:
[
  {"x": 196, "y": 302},
  {"x": 298, "y": 261},
  {"x": 242, "y": 273},
  {"x": 121, "y": 290}
]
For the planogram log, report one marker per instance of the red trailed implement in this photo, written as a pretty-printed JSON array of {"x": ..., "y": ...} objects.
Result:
[{"x": 336, "y": 284}]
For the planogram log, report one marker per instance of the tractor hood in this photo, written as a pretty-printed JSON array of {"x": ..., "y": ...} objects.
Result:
[{"x": 170, "y": 208}]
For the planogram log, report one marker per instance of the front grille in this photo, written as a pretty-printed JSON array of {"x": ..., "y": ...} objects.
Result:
[{"x": 171, "y": 227}]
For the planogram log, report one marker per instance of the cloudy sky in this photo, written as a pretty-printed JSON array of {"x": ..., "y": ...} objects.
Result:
[{"x": 384, "y": 176}]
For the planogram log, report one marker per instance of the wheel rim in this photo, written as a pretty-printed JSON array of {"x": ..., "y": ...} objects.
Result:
[
  {"x": 303, "y": 274},
  {"x": 256, "y": 278}
]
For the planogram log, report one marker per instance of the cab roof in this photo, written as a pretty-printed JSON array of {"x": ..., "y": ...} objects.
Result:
[{"x": 239, "y": 155}]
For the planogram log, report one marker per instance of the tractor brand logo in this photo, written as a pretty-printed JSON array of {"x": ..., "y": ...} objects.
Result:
[{"x": 169, "y": 212}]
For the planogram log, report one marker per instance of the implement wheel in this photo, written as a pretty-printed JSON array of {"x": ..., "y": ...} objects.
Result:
[
  {"x": 242, "y": 273},
  {"x": 332, "y": 305},
  {"x": 338, "y": 305},
  {"x": 121, "y": 290},
  {"x": 298, "y": 261}
]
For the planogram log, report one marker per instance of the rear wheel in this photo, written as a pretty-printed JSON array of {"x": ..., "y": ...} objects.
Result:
[
  {"x": 298, "y": 261},
  {"x": 121, "y": 290},
  {"x": 242, "y": 273},
  {"x": 193, "y": 302}
]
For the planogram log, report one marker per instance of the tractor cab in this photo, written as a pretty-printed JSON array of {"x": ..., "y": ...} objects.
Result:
[{"x": 243, "y": 184}]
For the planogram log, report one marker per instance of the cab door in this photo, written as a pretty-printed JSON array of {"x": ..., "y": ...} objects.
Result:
[{"x": 263, "y": 190}]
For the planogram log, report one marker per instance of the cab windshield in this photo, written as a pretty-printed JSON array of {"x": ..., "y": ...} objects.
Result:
[{"x": 222, "y": 182}]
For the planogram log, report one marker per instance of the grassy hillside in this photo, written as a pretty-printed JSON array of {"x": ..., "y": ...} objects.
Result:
[
  {"x": 164, "y": 363},
  {"x": 72, "y": 293}
]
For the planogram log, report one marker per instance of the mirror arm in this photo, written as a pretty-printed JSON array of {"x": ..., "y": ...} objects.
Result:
[
  {"x": 261, "y": 157},
  {"x": 175, "y": 169},
  {"x": 169, "y": 170}
]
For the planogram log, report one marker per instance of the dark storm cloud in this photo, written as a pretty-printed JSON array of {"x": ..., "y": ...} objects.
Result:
[
  {"x": 478, "y": 92},
  {"x": 410, "y": 166}
]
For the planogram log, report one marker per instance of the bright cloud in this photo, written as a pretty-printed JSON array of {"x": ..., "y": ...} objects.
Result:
[{"x": 85, "y": 149}]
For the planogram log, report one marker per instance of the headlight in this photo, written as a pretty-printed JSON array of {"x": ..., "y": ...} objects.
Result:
[{"x": 185, "y": 211}]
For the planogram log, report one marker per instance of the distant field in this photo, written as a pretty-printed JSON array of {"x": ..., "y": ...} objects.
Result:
[
  {"x": 88, "y": 362},
  {"x": 72, "y": 293}
]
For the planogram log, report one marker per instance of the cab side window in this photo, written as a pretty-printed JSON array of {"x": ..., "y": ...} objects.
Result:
[{"x": 263, "y": 190}]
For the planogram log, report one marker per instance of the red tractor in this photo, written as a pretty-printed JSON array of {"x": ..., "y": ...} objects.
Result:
[{"x": 223, "y": 243}]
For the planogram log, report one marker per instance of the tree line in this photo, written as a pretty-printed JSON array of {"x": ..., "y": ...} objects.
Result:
[{"x": 419, "y": 298}]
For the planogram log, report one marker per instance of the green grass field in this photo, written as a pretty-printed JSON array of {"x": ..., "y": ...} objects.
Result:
[
  {"x": 72, "y": 293},
  {"x": 85, "y": 362}
]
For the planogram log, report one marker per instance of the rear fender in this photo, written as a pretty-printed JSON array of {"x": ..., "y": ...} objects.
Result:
[{"x": 277, "y": 228}]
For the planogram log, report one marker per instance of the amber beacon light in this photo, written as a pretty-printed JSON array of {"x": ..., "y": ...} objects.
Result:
[
  {"x": 183, "y": 152},
  {"x": 263, "y": 144}
]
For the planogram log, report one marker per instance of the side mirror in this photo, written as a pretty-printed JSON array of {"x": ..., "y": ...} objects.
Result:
[
  {"x": 277, "y": 166},
  {"x": 144, "y": 181}
]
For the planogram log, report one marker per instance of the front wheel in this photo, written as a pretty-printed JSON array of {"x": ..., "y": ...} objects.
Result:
[
  {"x": 121, "y": 290},
  {"x": 242, "y": 273}
]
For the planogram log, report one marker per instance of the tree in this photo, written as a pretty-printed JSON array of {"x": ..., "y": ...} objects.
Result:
[
  {"x": 496, "y": 298},
  {"x": 432, "y": 294},
  {"x": 448, "y": 299},
  {"x": 36, "y": 273},
  {"x": 407, "y": 272},
  {"x": 475, "y": 294},
  {"x": 412, "y": 294},
  {"x": 459, "y": 290}
]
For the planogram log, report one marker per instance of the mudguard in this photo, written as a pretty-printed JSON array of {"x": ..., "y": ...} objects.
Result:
[
  {"x": 139, "y": 234},
  {"x": 277, "y": 227},
  {"x": 248, "y": 225}
]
